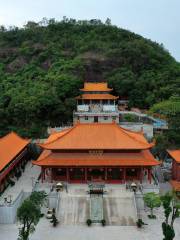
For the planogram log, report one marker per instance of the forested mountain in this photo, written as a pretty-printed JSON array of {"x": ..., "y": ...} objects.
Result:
[{"x": 43, "y": 65}]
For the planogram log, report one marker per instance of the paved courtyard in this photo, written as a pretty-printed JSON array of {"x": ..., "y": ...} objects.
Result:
[
  {"x": 119, "y": 208},
  {"x": 74, "y": 210},
  {"x": 45, "y": 231}
]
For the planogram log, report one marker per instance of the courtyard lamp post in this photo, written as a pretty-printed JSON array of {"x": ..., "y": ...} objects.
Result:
[{"x": 134, "y": 187}]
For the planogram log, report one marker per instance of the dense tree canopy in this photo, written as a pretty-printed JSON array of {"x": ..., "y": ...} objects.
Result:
[
  {"x": 43, "y": 65},
  {"x": 170, "y": 109}
]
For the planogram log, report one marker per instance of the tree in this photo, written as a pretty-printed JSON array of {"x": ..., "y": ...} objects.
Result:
[
  {"x": 152, "y": 200},
  {"x": 38, "y": 198},
  {"x": 162, "y": 144},
  {"x": 108, "y": 21},
  {"x": 29, "y": 213},
  {"x": 170, "y": 110},
  {"x": 43, "y": 65},
  {"x": 171, "y": 205},
  {"x": 130, "y": 118}
]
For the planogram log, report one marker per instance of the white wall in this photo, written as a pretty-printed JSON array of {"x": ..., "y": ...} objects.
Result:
[
  {"x": 109, "y": 108},
  {"x": 83, "y": 108},
  {"x": 8, "y": 212}
]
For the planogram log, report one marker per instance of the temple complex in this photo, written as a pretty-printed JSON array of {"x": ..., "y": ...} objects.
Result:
[
  {"x": 96, "y": 148},
  {"x": 96, "y": 152},
  {"x": 96, "y": 104},
  {"x": 13, "y": 156}
]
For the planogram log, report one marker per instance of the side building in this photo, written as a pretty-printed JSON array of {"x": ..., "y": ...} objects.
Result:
[
  {"x": 96, "y": 152},
  {"x": 13, "y": 156},
  {"x": 96, "y": 104},
  {"x": 175, "y": 156}
]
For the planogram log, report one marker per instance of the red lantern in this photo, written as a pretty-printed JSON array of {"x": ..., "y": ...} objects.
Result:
[
  {"x": 82, "y": 170},
  {"x": 101, "y": 169},
  {"x": 109, "y": 170},
  {"x": 90, "y": 169}
]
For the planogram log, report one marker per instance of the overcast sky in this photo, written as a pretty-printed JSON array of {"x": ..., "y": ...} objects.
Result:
[{"x": 158, "y": 20}]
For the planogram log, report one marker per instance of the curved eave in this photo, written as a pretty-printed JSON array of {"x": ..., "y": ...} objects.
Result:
[
  {"x": 93, "y": 97},
  {"x": 84, "y": 162},
  {"x": 175, "y": 154},
  {"x": 93, "y": 90},
  {"x": 93, "y": 148}
]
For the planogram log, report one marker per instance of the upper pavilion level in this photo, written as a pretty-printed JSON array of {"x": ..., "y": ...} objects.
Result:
[
  {"x": 96, "y": 87},
  {"x": 96, "y": 104}
]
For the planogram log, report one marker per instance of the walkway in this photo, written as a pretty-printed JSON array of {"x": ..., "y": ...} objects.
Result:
[{"x": 25, "y": 182}]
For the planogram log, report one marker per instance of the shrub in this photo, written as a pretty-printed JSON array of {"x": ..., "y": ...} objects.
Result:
[
  {"x": 89, "y": 222},
  {"x": 103, "y": 222},
  {"x": 152, "y": 200},
  {"x": 152, "y": 216},
  {"x": 12, "y": 183},
  {"x": 54, "y": 220},
  {"x": 140, "y": 223}
]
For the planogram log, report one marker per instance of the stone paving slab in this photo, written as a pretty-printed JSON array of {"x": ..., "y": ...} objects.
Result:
[
  {"x": 73, "y": 210},
  {"x": 120, "y": 211}
]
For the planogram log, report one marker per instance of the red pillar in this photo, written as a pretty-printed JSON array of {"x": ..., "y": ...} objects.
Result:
[
  {"x": 51, "y": 175},
  {"x": 105, "y": 174},
  {"x": 124, "y": 175},
  {"x": 42, "y": 174},
  {"x": 85, "y": 169},
  {"x": 178, "y": 171},
  {"x": 149, "y": 175},
  {"x": 67, "y": 174},
  {"x": 141, "y": 175}
]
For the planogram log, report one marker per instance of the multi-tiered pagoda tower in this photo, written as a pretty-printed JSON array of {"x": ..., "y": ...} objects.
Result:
[{"x": 96, "y": 104}]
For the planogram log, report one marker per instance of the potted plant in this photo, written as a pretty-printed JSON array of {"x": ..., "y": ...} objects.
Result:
[
  {"x": 103, "y": 222},
  {"x": 89, "y": 222},
  {"x": 140, "y": 223}
]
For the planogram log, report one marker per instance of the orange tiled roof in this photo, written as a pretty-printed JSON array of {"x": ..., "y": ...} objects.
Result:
[
  {"x": 142, "y": 158},
  {"x": 56, "y": 135},
  {"x": 96, "y": 96},
  {"x": 97, "y": 136},
  {"x": 89, "y": 86},
  {"x": 175, "y": 154},
  {"x": 175, "y": 185},
  {"x": 10, "y": 146}
]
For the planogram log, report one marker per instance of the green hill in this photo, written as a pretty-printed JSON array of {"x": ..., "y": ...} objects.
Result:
[{"x": 43, "y": 65}]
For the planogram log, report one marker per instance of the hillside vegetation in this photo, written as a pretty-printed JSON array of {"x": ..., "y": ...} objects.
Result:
[{"x": 43, "y": 65}]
